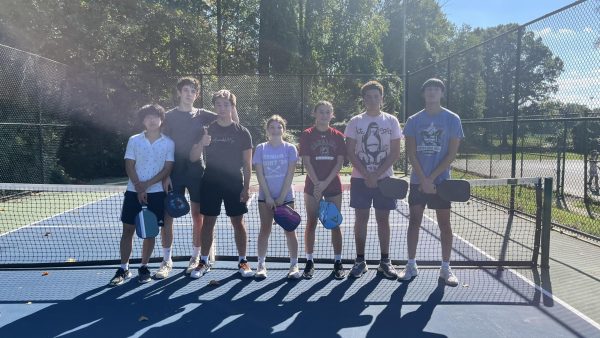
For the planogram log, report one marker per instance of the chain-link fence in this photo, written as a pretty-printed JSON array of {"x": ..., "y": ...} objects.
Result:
[
  {"x": 530, "y": 103},
  {"x": 33, "y": 105}
]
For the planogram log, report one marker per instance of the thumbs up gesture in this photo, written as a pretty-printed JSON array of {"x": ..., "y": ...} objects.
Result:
[{"x": 206, "y": 138}]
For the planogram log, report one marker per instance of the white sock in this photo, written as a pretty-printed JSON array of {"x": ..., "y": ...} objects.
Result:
[
  {"x": 125, "y": 266},
  {"x": 445, "y": 265},
  {"x": 242, "y": 258},
  {"x": 337, "y": 258},
  {"x": 412, "y": 261},
  {"x": 309, "y": 257},
  {"x": 167, "y": 254},
  {"x": 204, "y": 259},
  {"x": 293, "y": 261},
  {"x": 196, "y": 252},
  {"x": 261, "y": 260}
]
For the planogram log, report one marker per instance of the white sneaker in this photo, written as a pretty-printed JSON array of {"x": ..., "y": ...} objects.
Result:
[
  {"x": 200, "y": 270},
  {"x": 163, "y": 271},
  {"x": 294, "y": 272},
  {"x": 245, "y": 270},
  {"x": 409, "y": 272},
  {"x": 192, "y": 265},
  {"x": 261, "y": 271},
  {"x": 448, "y": 277}
]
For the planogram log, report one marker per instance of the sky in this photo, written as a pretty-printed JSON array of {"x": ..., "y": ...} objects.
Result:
[
  {"x": 570, "y": 35},
  {"x": 488, "y": 13}
]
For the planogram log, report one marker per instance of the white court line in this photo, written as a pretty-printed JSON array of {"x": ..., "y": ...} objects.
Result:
[
  {"x": 526, "y": 280},
  {"x": 56, "y": 215}
]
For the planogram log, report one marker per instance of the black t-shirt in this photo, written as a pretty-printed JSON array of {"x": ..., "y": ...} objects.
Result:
[
  {"x": 186, "y": 129},
  {"x": 224, "y": 155}
]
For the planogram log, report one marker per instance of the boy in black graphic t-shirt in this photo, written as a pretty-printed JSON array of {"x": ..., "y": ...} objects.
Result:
[{"x": 226, "y": 179}]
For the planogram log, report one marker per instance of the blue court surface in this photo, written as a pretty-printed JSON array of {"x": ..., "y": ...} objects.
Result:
[
  {"x": 487, "y": 303},
  {"x": 76, "y": 301}
]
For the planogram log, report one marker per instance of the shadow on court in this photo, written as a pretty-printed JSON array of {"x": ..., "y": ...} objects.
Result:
[
  {"x": 236, "y": 307},
  {"x": 485, "y": 304}
]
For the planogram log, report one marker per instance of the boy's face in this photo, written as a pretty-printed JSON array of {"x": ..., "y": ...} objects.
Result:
[
  {"x": 323, "y": 114},
  {"x": 223, "y": 106},
  {"x": 373, "y": 99},
  {"x": 275, "y": 129},
  {"x": 433, "y": 94},
  {"x": 152, "y": 122},
  {"x": 188, "y": 94}
]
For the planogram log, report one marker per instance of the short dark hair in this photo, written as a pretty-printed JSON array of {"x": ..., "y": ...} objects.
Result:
[
  {"x": 371, "y": 85},
  {"x": 151, "y": 109},
  {"x": 224, "y": 94},
  {"x": 434, "y": 82},
  {"x": 188, "y": 81}
]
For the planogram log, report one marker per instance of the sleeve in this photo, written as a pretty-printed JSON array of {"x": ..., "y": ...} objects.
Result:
[
  {"x": 207, "y": 117},
  {"x": 341, "y": 144},
  {"x": 171, "y": 151},
  {"x": 257, "y": 157},
  {"x": 350, "y": 131},
  {"x": 395, "y": 128},
  {"x": 303, "y": 144},
  {"x": 246, "y": 139},
  {"x": 409, "y": 127},
  {"x": 292, "y": 153},
  {"x": 457, "y": 130},
  {"x": 130, "y": 149}
]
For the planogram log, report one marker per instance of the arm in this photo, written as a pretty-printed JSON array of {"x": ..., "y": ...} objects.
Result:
[
  {"x": 198, "y": 148},
  {"x": 140, "y": 188},
  {"x": 426, "y": 185},
  {"x": 262, "y": 183},
  {"x": 247, "y": 170},
  {"x": 392, "y": 157},
  {"x": 289, "y": 176}
]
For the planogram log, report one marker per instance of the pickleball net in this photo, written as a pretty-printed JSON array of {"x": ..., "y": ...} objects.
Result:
[{"x": 65, "y": 225}]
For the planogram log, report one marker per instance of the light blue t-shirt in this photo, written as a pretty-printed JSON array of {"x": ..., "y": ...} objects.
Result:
[
  {"x": 433, "y": 134},
  {"x": 275, "y": 161}
]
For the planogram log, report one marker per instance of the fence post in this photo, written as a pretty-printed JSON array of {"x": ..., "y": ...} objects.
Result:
[
  {"x": 404, "y": 117},
  {"x": 515, "y": 127},
  {"x": 546, "y": 223},
  {"x": 302, "y": 102}
]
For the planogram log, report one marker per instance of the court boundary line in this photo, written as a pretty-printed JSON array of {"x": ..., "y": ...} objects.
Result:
[{"x": 528, "y": 281}]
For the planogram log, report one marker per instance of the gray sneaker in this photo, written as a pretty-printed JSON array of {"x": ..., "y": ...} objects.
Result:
[
  {"x": 163, "y": 270},
  {"x": 388, "y": 270},
  {"x": 359, "y": 269},
  {"x": 409, "y": 272},
  {"x": 448, "y": 277}
]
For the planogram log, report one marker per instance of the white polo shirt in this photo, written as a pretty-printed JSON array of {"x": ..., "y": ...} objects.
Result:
[{"x": 149, "y": 158}]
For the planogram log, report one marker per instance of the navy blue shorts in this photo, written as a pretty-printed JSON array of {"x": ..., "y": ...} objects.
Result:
[
  {"x": 132, "y": 207},
  {"x": 362, "y": 196},
  {"x": 214, "y": 192},
  {"x": 432, "y": 201}
]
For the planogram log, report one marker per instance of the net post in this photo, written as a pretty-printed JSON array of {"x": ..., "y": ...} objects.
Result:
[
  {"x": 539, "y": 207},
  {"x": 546, "y": 223}
]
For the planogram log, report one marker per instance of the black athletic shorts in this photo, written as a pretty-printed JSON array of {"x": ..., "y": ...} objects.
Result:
[
  {"x": 132, "y": 207},
  {"x": 432, "y": 201}
]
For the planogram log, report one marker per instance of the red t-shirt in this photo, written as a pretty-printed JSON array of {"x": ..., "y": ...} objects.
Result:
[{"x": 323, "y": 148}]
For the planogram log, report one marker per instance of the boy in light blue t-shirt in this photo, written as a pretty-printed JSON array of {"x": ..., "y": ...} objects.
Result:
[{"x": 432, "y": 139}]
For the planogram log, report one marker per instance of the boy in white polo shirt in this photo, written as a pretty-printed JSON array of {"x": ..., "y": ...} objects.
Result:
[{"x": 148, "y": 159}]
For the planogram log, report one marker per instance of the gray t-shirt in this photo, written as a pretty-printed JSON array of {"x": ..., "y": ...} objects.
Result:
[
  {"x": 275, "y": 162},
  {"x": 186, "y": 129},
  {"x": 432, "y": 133}
]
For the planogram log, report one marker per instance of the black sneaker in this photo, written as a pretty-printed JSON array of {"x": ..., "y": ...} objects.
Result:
[
  {"x": 309, "y": 269},
  {"x": 338, "y": 270},
  {"x": 120, "y": 277},
  {"x": 144, "y": 274}
]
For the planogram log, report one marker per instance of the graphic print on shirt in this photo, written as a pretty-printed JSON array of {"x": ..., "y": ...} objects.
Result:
[
  {"x": 431, "y": 140},
  {"x": 323, "y": 149},
  {"x": 372, "y": 152},
  {"x": 275, "y": 165}
]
